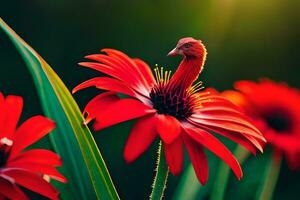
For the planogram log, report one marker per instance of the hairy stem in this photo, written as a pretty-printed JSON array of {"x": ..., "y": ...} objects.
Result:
[{"x": 160, "y": 180}]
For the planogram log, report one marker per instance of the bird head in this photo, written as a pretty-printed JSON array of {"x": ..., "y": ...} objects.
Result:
[{"x": 189, "y": 47}]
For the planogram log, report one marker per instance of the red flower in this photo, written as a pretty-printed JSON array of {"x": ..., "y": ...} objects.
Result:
[
  {"x": 171, "y": 108},
  {"x": 20, "y": 167},
  {"x": 276, "y": 109}
]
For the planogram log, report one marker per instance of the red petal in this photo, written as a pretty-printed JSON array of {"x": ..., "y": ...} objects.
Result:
[
  {"x": 1, "y": 97},
  {"x": 106, "y": 83},
  {"x": 113, "y": 67},
  {"x": 211, "y": 101},
  {"x": 126, "y": 63},
  {"x": 168, "y": 128},
  {"x": 214, "y": 145},
  {"x": 120, "y": 111},
  {"x": 145, "y": 70},
  {"x": 293, "y": 159},
  {"x": 33, "y": 182},
  {"x": 31, "y": 131},
  {"x": 210, "y": 108},
  {"x": 40, "y": 169},
  {"x": 238, "y": 99},
  {"x": 120, "y": 66},
  {"x": 240, "y": 139},
  {"x": 98, "y": 104},
  {"x": 229, "y": 126},
  {"x": 141, "y": 136},
  {"x": 11, "y": 110},
  {"x": 198, "y": 159},
  {"x": 174, "y": 156},
  {"x": 113, "y": 71},
  {"x": 38, "y": 156},
  {"x": 246, "y": 87},
  {"x": 229, "y": 117},
  {"x": 10, "y": 191},
  {"x": 234, "y": 118},
  {"x": 20, "y": 193},
  {"x": 215, "y": 98}
]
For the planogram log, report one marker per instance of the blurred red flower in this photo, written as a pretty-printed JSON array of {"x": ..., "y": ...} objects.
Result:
[
  {"x": 20, "y": 167},
  {"x": 275, "y": 108},
  {"x": 170, "y": 107}
]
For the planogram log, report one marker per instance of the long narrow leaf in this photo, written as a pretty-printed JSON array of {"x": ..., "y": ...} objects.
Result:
[
  {"x": 270, "y": 177},
  {"x": 189, "y": 186},
  {"x": 222, "y": 177},
  {"x": 83, "y": 164}
]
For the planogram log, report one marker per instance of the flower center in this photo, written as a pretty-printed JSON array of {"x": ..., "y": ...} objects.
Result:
[
  {"x": 169, "y": 100},
  {"x": 279, "y": 121},
  {"x": 169, "y": 103},
  {"x": 5, "y": 145}
]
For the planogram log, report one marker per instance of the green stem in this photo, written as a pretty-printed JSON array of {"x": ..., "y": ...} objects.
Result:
[
  {"x": 188, "y": 186},
  {"x": 220, "y": 185},
  {"x": 160, "y": 180},
  {"x": 270, "y": 179}
]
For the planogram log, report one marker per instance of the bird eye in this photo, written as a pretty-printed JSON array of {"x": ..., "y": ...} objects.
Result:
[{"x": 187, "y": 45}]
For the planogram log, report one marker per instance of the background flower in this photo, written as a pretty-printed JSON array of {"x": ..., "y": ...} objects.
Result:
[
  {"x": 276, "y": 109},
  {"x": 20, "y": 167}
]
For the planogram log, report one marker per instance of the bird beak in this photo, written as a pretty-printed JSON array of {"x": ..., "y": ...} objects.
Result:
[{"x": 174, "y": 52}]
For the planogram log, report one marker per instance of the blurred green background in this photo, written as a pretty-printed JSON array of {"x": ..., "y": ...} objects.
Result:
[{"x": 245, "y": 39}]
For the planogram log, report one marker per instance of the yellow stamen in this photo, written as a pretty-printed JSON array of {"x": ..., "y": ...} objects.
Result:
[
  {"x": 169, "y": 75},
  {"x": 156, "y": 75},
  {"x": 166, "y": 77},
  {"x": 161, "y": 76},
  {"x": 162, "y": 73},
  {"x": 196, "y": 88}
]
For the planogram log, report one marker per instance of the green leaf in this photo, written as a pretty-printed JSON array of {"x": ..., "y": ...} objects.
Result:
[
  {"x": 253, "y": 168},
  {"x": 83, "y": 164},
  {"x": 189, "y": 186},
  {"x": 222, "y": 177},
  {"x": 270, "y": 177}
]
